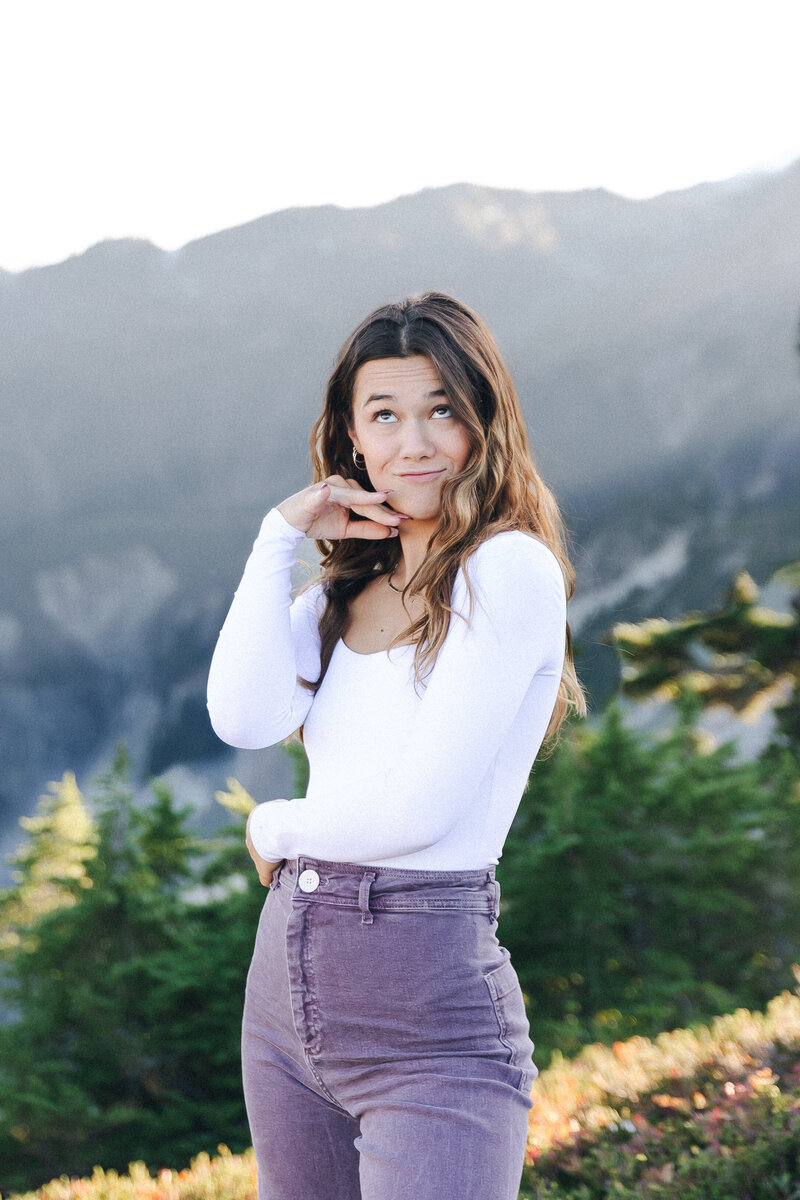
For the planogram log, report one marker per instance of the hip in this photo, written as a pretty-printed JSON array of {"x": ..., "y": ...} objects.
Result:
[{"x": 374, "y": 964}]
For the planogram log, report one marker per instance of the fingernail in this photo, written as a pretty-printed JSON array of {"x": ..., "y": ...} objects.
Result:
[{"x": 394, "y": 531}]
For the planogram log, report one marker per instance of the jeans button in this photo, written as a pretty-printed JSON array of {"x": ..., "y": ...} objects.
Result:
[{"x": 308, "y": 881}]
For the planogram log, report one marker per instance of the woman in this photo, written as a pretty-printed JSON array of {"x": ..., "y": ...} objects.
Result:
[{"x": 386, "y": 1053}]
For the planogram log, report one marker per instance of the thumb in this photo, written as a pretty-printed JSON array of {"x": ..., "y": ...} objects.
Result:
[{"x": 319, "y": 495}]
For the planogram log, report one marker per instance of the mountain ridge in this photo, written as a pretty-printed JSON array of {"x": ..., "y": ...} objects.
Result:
[{"x": 156, "y": 403}]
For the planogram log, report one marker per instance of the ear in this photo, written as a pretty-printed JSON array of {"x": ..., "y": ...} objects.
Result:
[{"x": 351, "y": 433}]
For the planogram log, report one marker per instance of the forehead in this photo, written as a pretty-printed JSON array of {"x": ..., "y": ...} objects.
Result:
[{"x": 401, "y": 377}]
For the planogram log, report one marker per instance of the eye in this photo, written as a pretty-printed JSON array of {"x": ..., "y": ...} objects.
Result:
[
  {"x": 383, "y": 416},
  {"x": 442, "y": 410}
]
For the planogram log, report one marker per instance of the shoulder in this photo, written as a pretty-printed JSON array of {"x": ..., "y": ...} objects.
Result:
[
  {"x": 313, "y": 593},
  {"x": 514, "y": 560},
  {"x": 310, "y": 601},
  {"x": 511, "y": 594}
]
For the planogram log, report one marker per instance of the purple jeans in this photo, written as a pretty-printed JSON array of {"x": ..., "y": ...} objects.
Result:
[{"x": 385, "y": 1044}]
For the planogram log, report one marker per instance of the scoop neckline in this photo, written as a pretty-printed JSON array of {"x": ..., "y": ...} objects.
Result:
[{"x": 374, "y": 653}]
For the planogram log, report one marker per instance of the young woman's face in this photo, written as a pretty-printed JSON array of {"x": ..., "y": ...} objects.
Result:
[{"x": 407, "y": 432}]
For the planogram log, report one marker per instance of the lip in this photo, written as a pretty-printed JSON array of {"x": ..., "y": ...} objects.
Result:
[{"x": 422, "y": 476}]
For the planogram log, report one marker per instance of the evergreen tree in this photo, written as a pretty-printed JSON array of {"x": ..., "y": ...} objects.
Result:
[
  {"x": 738, "y": 654},
  {"x": 61, "y": 841},
  {"x": 123, "y": 1035},
  {"x": 650, "y": 885}
]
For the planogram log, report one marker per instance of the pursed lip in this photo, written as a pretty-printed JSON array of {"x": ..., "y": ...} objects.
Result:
[{"x": 422, "y": 475}]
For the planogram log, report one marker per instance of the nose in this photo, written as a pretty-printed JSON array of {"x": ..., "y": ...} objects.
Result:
[{"x": 416, "y": 441}]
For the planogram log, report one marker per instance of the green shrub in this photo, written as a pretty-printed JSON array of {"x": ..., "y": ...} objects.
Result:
[
  {"x": 710, "y": 1114},
  {"x": 228, "y": 1177}
]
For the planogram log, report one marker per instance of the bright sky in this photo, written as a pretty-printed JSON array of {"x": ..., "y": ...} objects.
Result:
[{"x": 169, "y": 119}]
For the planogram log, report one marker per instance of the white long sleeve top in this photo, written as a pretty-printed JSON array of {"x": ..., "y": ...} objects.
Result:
[{"x": 426, "y": 777}]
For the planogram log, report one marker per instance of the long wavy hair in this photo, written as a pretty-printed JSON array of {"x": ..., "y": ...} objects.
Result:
[{"x": 499, "y": 488}]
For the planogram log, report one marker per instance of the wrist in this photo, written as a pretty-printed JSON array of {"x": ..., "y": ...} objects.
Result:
[
  {"x": 262, "y": 837},
  {"x": 275, "y": 523},
  {"x": 293, "y": 516}
]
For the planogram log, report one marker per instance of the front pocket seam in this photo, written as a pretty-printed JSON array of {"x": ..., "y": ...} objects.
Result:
[
  {"x": 497, "y": 995},
  {"x": 493, "y": 977},
  {"x": 499, "y": 1015}
]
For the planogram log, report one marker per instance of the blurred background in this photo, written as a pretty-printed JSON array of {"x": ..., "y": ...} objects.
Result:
[{"x": 201, "y": 201}]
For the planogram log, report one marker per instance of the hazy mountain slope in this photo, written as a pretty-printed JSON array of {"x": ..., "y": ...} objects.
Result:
[
  {"x": 154, "y": 405},
  {"x": 131, "y": 376}
]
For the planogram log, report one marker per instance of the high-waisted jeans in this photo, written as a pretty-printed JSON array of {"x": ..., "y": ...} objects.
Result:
[{"x": 385, "y": 1044}]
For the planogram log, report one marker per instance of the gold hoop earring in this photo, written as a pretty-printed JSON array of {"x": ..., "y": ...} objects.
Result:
[{"x": 356, "y": 456}]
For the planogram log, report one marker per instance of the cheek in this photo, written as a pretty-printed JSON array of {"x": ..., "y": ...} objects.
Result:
[
  {"x": 460, "y": 448},
  {"x": 377, "y": 448}
]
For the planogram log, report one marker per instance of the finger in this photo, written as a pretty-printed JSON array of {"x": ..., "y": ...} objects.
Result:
[
  {"x": 349, "y": 492},
  {"x": 318, "y": 496},
  {"x": 370, "y": 530},
  {"x": 383, "y": 516},
  {"x": 368, "y": 504}
]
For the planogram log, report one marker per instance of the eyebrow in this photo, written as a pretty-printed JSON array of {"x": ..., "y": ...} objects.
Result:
[{"x": 381, "y": 396}]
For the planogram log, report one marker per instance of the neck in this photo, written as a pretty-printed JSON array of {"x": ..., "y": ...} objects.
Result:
[{"x": 414, "y": 537}]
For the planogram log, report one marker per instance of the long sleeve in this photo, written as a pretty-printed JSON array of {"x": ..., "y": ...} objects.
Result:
[
  {"x": 266, "y": 642},
  {"x": 495, "y": 680}
]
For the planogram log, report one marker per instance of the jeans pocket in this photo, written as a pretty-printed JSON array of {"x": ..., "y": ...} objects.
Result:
[{"x": 512, "y": 1020}]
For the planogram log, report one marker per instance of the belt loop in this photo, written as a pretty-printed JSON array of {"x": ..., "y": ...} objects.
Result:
[
  {"x": 495, "y": 914},
  {"x": 367, "y": 881}
]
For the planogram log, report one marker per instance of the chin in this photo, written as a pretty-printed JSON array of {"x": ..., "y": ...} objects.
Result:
[{"x": 427, "y": 515}]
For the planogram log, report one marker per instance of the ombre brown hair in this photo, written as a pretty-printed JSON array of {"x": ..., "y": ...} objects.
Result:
[{"x": 499, "y": 488}]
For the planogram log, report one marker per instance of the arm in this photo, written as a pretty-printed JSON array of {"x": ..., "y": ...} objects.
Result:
[
  {"x": 254, "y": 699},
  {"x": 473, "y": 694}
]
